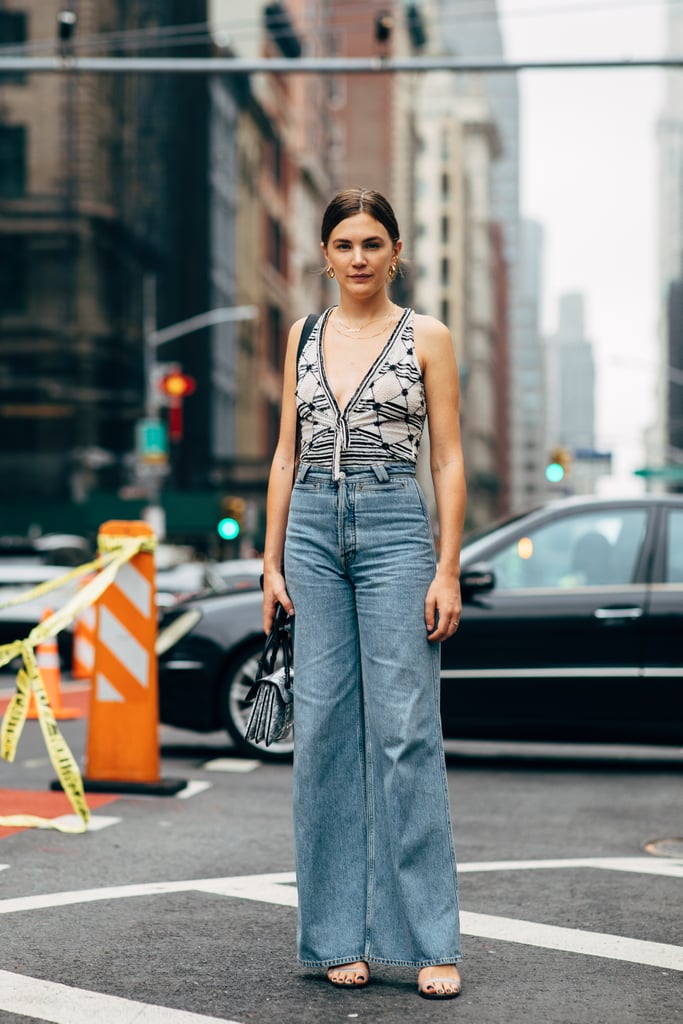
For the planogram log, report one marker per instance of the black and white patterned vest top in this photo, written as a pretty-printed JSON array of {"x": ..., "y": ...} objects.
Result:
[{"x": 384, "y": 418}]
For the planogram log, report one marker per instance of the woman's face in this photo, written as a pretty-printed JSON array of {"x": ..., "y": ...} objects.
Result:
[{"x": 360, "y": 251}]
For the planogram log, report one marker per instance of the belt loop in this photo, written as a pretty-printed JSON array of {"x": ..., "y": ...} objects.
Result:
[
  {"x": 380, "y": 472},
  {"x": 303, "y": 472}
]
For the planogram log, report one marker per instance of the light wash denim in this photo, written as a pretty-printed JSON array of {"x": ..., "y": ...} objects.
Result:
[{"x": 375, "y": 861}]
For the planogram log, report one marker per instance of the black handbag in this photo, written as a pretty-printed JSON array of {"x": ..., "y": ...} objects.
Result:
[{"x": 272, "y": 693}]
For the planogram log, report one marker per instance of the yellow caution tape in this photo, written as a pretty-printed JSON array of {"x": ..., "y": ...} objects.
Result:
[
  {"x": 119, "y": 551},
  {"x": 55, "y": 584},
  {"x": 110, "y": 542}
]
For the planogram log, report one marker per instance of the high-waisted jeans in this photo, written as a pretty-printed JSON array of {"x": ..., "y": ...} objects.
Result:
[{"x": 375, "y": 862}]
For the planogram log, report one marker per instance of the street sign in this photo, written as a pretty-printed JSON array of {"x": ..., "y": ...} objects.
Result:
[
  {"x": 592, "y": 455},
  {"x": 660, "y": 472},
  {"x": 151, "y": 441}
]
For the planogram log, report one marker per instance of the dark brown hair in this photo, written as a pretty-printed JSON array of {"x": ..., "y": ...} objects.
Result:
[{"x": 359, "y": 200}]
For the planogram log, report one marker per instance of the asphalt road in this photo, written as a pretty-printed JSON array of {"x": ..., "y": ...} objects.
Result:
[{"x": 180, "y": 910}]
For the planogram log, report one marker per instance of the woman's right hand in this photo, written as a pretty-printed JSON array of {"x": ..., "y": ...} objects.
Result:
[{"x": 274, "y": 592}]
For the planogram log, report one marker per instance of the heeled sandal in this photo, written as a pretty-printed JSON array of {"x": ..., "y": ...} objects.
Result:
[
  {"x": 455, "y": 987},
  {"x": 359, "y": 979}
]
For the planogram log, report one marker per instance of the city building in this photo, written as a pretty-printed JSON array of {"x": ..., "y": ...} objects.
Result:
[
  {"x": 571, "y": 398},
  {"x": 474, "y": 31},
  {"x": 129, "y": 205},
  {"x": 456, "y": 266},
  {"x": 99, "y": 191},
  {"x": 530, "y": 397},
  {"x": 665, "y": 441}
]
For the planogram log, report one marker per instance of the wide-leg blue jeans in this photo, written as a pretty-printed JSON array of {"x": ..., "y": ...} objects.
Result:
[{"x": 375, "y": 862}]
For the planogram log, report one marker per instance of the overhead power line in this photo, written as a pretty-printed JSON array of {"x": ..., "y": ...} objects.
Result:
[
  {"x": 353, "y": 16},
  {"x": 315, "y": 65}
]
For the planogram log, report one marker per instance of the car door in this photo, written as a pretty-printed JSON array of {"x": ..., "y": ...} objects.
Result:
[
  {"x": 555, "y": 648},
  {"x": 661, "y": 699}
]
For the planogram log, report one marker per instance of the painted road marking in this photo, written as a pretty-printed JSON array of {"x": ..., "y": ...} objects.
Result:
[
  {"x": 231, "y": 764},
  {"x": 672, "y": 867},
  {"x": 50, "y": 805},
  {"x": 3, "y": 867},
  {"x": 192, "y": 788},
  {"x": 96, "y": 822},
  {"x": 61, "y": 1004},
  {"x": 573, "y": 940},
  {"x": 280, "y": 889}
]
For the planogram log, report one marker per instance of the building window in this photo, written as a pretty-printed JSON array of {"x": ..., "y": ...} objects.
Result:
[
  {"x": 13, "y": 32},
  {"x": 445, "y": 311},
  {"x": 12, "y": 160},
  {"x": 274, "y": 336},
  {"x": 275, "y": 244},
  {"x": 13, "y": 279},
  {"x": 281, "y": 30},
  {"x": 445, "y": 229},
  {"x": 445, "y": 271},
  {"x": 274, "y": 158},
  {"x": 445, "y": 186}
]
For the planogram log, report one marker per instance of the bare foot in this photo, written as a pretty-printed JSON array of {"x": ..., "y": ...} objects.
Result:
[
  {"x": 355, "y": 975},
  {"x": 440, "y": 982}
]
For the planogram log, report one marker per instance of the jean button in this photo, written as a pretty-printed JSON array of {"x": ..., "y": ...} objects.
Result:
[{"x": 342, "y": 476}]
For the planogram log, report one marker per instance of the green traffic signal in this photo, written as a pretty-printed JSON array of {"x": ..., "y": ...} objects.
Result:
[
  {"x": 554, "y": 473},
  {"x": 228, "y": 528}
]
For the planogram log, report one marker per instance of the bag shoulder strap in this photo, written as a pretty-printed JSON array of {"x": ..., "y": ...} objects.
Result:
[{"x": 308, "y": 326}]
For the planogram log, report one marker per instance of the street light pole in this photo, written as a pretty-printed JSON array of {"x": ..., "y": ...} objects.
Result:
[
  {"x": 149, "y": 323},
  {"x": 153, "y": 338}
]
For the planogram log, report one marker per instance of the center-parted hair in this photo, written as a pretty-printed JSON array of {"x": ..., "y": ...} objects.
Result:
[{"x": 351, "y": 201}]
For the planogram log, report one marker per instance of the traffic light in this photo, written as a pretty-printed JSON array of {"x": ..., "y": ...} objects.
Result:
[
  {"x": 176, "y": 385},
  {"x": 558, "y": 466},
  {"x": 384, "y": 23},
  {"x": 230, "y": 526}
]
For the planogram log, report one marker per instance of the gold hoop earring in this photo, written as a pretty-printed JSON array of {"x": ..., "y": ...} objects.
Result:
[
  {"x": 330, "y": 273},
  {"x": 391, "y": 273}
]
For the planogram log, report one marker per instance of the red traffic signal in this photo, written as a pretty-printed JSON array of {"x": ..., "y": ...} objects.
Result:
[{"x": 177, "y": 384}]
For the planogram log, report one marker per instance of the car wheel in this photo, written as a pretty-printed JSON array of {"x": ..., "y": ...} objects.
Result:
[{"x": 237, "y": 681}]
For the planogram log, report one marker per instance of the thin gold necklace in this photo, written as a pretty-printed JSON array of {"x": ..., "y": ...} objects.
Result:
[
  {"x": 367, "y": 337},
  {"x": 346, "y": 329}
]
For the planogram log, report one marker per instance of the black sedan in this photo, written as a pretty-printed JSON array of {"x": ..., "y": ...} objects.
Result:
[{"x": 572, "y": 629}]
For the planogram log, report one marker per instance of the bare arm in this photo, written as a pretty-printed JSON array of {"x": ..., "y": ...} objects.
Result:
[
  {"x": 280, "y": 489},
  {"x": 434, "y": 347}
]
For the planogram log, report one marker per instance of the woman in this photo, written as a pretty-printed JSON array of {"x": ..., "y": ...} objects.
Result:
[{"x": 375, "y": 862}]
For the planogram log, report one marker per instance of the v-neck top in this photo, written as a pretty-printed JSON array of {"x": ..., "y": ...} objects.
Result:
[{"x": 384, "y": 418}]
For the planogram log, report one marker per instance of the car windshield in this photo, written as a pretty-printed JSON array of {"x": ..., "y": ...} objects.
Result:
[{"x": 476, "y": 539}]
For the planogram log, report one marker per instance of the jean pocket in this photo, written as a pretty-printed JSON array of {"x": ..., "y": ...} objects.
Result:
[{"x": 421, "y": 498}]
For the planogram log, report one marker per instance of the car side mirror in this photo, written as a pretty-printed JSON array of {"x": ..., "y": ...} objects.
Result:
[{"x": 477, "y": 579}]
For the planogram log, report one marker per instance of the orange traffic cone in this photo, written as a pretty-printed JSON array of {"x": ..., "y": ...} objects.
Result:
[
  {"x": 47, "y": 657},
  {"x": 122, "y": 752}
]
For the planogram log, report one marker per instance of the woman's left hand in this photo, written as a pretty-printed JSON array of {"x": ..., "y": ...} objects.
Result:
[{"x": 443, "y": 607}]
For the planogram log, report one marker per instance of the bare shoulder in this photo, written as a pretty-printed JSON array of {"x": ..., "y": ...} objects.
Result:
[
  {"x": 297, "y": 327},
  {"x": 429, "y": 328},
  {"x": 432, "y": 338}
]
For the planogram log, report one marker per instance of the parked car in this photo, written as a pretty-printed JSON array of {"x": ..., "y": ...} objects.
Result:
[
  {"x": 191, "y": 578},
  {"x": 572, "y": 629},
  {"x": 16, "y": 622}
]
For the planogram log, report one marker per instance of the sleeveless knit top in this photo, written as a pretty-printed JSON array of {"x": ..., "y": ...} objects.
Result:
[{"x": 384, "y": 418}]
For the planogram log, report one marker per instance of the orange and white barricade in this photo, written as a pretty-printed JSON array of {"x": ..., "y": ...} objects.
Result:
[
  {"x": 122, "y": 753},
  {"x": 47, "y": 659}
]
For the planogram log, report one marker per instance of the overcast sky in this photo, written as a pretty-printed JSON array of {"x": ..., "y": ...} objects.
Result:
[{"x": 589, "y": 175}]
